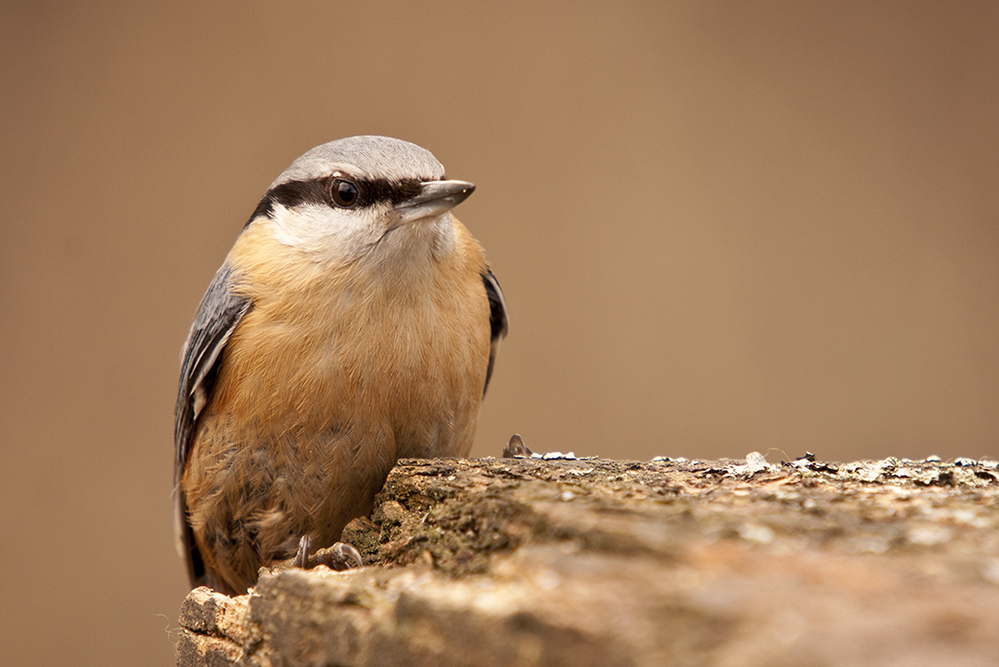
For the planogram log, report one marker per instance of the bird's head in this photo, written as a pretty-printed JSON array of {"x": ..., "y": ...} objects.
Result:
[{"x": 364, "y": 197}]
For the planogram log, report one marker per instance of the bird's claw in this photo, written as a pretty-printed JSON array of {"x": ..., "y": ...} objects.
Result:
[
  {"x": 301, "y": 558},
  {"x": 340, "y": 556},
  {"x": 516, "y": 447}
]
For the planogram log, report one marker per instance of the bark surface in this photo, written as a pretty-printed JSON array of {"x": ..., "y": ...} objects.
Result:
[{"x": 565, "y": 561}]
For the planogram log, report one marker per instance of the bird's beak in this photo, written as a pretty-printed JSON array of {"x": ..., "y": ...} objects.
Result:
[{"x": 434, "y": 198}]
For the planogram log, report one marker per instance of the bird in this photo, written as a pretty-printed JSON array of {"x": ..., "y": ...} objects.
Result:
[{"x": 354, "y": 322}]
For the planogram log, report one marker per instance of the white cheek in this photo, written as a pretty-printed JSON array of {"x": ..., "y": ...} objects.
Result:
[{"x": 335, "y": 234}]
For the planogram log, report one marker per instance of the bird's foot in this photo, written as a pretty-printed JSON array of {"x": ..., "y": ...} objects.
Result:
[
  {"x": 301, "y": 558},
  {"x": 340, "y": 556},
  {"x": 516, "y": 447}
]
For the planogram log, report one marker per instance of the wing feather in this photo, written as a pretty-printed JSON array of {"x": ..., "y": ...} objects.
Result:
[
  {"x": 220, "y": 313},
  {"x": 499, "y": 319}
]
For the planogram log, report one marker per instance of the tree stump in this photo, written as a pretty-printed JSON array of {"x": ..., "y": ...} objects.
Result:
[{"x": 565, "y": 561}]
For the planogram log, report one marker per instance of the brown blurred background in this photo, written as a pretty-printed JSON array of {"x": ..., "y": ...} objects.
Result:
[{"x": 721, "y": 227}]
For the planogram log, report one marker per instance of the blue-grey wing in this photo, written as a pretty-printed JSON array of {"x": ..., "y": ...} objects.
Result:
[
  {"x": 218, "y": 316},
  {"x": 499, "y": 319}
]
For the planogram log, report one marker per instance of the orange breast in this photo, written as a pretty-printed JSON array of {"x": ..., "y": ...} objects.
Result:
[{"x": 334, "y": 374}]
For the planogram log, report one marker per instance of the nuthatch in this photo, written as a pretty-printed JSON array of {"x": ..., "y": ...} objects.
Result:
[{"x": 353, "y": 323}]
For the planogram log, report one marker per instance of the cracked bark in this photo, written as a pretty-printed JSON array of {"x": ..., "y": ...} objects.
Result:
[{"x": 602, "y": 562}]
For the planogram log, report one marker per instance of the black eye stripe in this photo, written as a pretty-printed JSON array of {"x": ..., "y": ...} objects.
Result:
[
  {"x": 380, "y": 190},
  {"x": 291, "y": 194},
  {"x": 317, "y": 191}
]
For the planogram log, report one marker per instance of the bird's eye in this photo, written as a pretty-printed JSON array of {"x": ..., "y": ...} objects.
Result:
[{"x": 344, "y": 193}]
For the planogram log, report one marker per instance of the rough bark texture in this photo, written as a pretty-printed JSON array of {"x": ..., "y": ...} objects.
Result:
[{"x": 669, "y": 562}]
